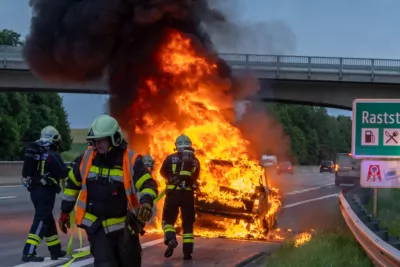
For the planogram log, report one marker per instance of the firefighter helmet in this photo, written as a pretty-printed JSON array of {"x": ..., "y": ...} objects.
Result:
[
  {"x": 182, "y": 142},
  {"x": 105, "y": 126},
  {"x": 49, "y": 134}
]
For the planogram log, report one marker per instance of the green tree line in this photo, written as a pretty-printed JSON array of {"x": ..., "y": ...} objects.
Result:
[
  {"x": 314, "y": 134},
  {"x": 23, "y": 115}
]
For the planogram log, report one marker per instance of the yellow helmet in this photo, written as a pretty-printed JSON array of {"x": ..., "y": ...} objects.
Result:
[{"x": 105, "y": 126}]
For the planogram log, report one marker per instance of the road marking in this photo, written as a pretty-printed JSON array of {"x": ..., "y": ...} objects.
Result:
[
  {"x": 48, "y": 263},
  {"x": 91, "y": 260},
  {"x": 307, "y": 189},
  {"x": 7, "y": 186},
  {"x": 8, "y": 197},
  {"x": 309, "y": 200}
]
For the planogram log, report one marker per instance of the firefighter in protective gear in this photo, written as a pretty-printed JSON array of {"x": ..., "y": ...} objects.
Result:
[
  {"x": 104, "y": 185},
  {"x": 148, "y": 162},
  {"x": 43, "y": 188},
  {"x": 181, "y": 171}
]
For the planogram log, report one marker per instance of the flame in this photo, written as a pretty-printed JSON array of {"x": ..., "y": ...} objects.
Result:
[
  {"x": 200, "y": 98},
  {"x": 302, "y": 238}
]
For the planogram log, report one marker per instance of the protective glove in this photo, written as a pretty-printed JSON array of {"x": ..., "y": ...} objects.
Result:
[
  {"x": 63, "y": 222},
  {"x": 144, "y": 213}
]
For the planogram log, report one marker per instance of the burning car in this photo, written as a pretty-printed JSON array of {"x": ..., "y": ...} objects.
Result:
[
  {"x": 254, "y": 205},
  {"x": 165, "y": 78}
]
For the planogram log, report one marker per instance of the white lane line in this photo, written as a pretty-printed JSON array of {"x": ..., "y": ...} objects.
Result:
[
  {"x": 9, "y": 186},
  {"x": 49, "y": 263},
  {"x": 307, "y": 189},
  {"x": 7, "y": 197},
  {"x": 309, "y": 200},
  {"x": 91, "y": 260}
]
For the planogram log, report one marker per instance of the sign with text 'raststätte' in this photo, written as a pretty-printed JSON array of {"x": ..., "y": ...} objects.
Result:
[{"x": 376, "y": 128}]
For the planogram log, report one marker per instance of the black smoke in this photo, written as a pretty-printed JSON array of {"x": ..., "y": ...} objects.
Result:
[
  {"x": 82, "y": 40},
  {"x": 77, "y": 40}
]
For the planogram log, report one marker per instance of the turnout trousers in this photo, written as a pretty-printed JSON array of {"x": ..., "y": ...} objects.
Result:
[
  {"x": 115, "y": 249},
  {"x": 43, "y": 199},
  {"x": 183, "y": 200}
]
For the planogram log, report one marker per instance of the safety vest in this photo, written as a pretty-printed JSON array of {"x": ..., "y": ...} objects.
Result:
[{"x": 129, "y": 158}]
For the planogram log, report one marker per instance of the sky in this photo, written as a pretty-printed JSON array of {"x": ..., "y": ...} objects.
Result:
[{"x": 340, "y": 28}]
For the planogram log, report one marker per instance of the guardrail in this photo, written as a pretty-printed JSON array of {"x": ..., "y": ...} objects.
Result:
[
  {"x": 11, "y": 58},
  {"x": 375, "y": 241}
]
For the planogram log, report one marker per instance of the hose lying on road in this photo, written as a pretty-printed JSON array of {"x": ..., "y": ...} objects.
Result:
[{"x": 368, "y": 233}]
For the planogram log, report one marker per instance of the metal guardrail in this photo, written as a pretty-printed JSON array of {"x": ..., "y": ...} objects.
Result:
[
  {"x": 11, "y": 58},
  {"x": 379, "y": 251}
]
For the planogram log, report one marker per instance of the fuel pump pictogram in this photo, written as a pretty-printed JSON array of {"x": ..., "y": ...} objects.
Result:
[{"x": 369, "y": 137}]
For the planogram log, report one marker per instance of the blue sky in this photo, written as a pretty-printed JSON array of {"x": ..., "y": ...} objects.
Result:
[{"x": 357, "y": 28}]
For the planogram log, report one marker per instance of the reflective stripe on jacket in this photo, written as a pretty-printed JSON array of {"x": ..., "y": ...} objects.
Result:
[{"x": 84, "y": 218}]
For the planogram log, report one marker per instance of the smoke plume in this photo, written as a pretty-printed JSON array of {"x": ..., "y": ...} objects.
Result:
[{"x": 74, "y": 41}]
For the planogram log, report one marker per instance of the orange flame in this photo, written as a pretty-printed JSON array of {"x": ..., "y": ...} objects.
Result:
[
  {"x": 200, "y": 98},
  {"x": 302, "y": 238}
]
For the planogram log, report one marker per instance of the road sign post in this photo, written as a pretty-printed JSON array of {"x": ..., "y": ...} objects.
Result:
[{"x": 376, "y": 128}]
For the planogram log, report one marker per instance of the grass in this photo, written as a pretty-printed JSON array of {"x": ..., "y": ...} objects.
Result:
[
  {"x": 78, "y": 146},
  {"x": 79, "y": 135},
  {"x": 388, "y": 210},
  {"x": 326, "y": 248}
]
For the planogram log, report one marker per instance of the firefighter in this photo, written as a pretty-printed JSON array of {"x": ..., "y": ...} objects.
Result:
[
  {"x": 148, "y": 162},
  {"x": 104, "y": 185},
  {"x": 42, "y": 170},
  {"x": 181, "y": 171}
]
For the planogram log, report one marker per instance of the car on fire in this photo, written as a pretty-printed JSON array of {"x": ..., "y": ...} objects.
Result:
[{"x": 256, "y": 204}]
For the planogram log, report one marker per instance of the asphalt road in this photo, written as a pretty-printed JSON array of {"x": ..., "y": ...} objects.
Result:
[{"x": 310, "y": 202}]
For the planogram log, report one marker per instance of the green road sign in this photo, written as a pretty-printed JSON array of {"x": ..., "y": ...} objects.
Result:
[{"x": 376, "y": 128}]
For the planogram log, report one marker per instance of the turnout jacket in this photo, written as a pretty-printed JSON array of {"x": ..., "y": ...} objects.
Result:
[{"x": 106, "y": 193}]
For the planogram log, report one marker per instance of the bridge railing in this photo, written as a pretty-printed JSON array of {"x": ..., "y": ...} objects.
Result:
[{"x": 11, "y": 58}]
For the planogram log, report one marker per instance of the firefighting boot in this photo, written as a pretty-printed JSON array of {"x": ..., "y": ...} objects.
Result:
[
  {"x": 187, "y": 256},
  {"x": 171, "y": 246},
  {"x": 31, "y": 258},
  {"x": 58, "y": 254}
]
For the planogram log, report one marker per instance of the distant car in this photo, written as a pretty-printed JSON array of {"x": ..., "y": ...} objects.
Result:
[
  {"x": 284, "y": 167},
  {"x": 327, "y": 166},
  {"x": 268, "y": 160},
  {"x": 347, "y": 169}
]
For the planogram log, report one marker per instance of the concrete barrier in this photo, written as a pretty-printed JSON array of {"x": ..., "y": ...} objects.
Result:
[{"x": 10, "y": 168}]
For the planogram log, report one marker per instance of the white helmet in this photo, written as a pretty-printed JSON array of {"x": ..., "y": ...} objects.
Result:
[
  {"x": 105, "y": 126},
  {"x": 183, "y": 142},
  {"x": 50, "y": 134}
]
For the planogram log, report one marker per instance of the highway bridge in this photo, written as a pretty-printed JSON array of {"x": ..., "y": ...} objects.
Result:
[{"x": 327, "y": 81}]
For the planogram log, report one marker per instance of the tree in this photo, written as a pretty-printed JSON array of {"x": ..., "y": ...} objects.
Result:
[
  {"x": 47, "y": 109},
  {"x": 23, "y": 115},
  {"x": 314, "y": 134},
  {"x": 9, "y": 37}
]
